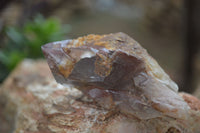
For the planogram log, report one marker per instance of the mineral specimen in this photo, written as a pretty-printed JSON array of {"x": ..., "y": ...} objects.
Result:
[{"x": 118, "y": 74}]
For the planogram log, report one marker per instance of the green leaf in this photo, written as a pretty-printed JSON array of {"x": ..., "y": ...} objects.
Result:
[{"x": 27, "y": 41}]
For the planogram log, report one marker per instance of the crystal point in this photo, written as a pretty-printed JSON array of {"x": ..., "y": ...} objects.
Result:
[{"x": 117, "y": 73}]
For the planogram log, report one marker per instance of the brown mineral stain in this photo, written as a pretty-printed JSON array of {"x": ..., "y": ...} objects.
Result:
[
  {"x": 85, "y": 39},
  {"x": 92, "y": 37},
  {"x": 103, "y": 65},
  {"x": 66, "y": 70}
]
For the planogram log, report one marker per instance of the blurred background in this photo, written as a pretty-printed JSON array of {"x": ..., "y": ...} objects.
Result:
[{"x": 168, "y": 29}]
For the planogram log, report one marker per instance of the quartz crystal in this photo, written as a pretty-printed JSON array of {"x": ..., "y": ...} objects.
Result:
[{"x": 118, "y": 74}]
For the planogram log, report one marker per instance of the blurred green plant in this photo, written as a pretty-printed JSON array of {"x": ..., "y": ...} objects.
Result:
[{"x": 25, "y": 42}]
